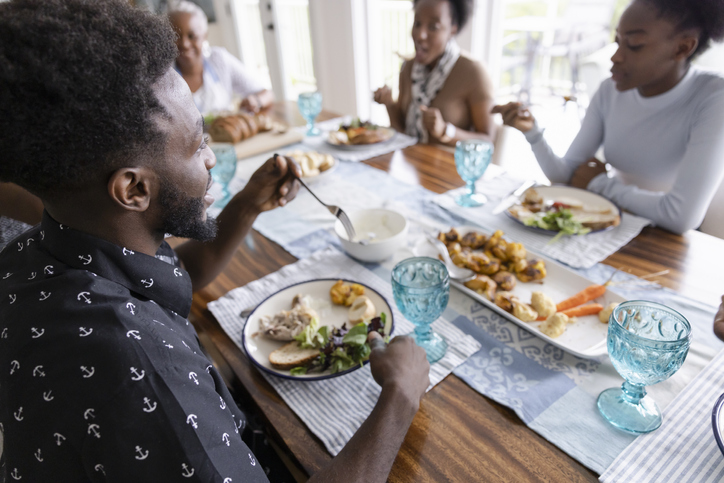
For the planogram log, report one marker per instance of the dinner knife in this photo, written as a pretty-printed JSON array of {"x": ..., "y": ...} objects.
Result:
[{"x": 511, "y": 199}]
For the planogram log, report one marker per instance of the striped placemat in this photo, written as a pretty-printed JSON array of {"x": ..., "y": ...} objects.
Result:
[
  {"x": 334, "y": 409},
  {"x": 683, "y": 449}
]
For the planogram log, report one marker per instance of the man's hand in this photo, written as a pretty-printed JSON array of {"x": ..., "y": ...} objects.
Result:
[
  {"x": 515, "y": 115},
  {"x": 719, "y": 320},
  {"x": 401, "y": 365},
  {"x": 383, "y": 96},
  {"x": 433, "y": 122},
  {"x": 586, "y": 172},
  {"x": 251, "y": 103},
  {"x": 273, "y": 184}
]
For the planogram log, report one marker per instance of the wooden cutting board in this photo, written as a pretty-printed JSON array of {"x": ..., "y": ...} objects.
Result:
[{"x": 266, "y": 141}]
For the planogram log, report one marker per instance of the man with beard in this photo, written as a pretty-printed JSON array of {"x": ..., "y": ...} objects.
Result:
[{"x": 101, "y": 375}]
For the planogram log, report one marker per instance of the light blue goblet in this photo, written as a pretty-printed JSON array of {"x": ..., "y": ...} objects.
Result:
[
  {"x": 421, "y": 287},
  {"x": 310, "y": 105},
  {"x": 647, "y": 343},
  {"x": 472, "y": 158},
  {"x": 224, "y": 170}
]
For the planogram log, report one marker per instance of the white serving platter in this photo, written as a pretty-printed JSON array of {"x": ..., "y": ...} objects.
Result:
[
  {"x": 586, "y": 338},
  {"x": 259, "y": 347}
]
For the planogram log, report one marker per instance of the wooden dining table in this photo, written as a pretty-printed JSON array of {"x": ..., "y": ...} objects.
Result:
[{"x": 458, "y": 434}]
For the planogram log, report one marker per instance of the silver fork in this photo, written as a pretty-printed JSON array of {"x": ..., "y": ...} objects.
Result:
[{"x": 336, "y": 211}]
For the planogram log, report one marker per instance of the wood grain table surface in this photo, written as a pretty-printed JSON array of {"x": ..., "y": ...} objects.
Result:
[{"x": 458, "y": 434}]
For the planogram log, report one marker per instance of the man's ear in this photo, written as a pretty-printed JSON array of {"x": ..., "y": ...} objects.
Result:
[{"x": 132, "y": 188}]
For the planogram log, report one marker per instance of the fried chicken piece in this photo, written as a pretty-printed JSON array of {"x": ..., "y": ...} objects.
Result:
[
  {"x": 345, "y": 293},
  {"x": 505, "y": 280},
  {"x": 473, "y": 240},
  {"x": 535, "y": 270},
  {"x": 505, "y": 300},
  {"x": 484, "y": 285}
]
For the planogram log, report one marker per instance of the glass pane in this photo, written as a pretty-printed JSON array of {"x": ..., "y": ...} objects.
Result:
[
  {"x": 252, "y": 40},
  {"x": 296, "y": 45}
]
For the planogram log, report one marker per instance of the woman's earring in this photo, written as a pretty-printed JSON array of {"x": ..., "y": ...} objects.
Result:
[{"x": 206, "y": 48}]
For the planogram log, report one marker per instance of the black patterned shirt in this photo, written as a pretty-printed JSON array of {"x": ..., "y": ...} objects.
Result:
[{"x": 101, "y": 375}]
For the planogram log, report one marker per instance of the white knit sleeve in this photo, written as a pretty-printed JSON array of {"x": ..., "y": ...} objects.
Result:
[
  {"x": 240, "y": 77},
  {"x": 584, "y": 146},
  {"x": 699, "y": 175}
]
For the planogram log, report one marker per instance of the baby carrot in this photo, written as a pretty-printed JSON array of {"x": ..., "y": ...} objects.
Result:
[
  {"x": 585, "y": 295},
  {"x": 589, "y": 309}
]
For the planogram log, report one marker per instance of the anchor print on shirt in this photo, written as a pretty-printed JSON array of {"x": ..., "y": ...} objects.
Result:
[
  {"x": 48, "y": 270},
  {"x": 38, "y": 371},
  {"x": 7, "y": 276},
  {"x": 186, "y": 472},
  {"x": 149, "y": 408},
  {"x": 194, "y": 377},
  {"x": 32, "y": 275},
  {"x": 85, "y": 332},
  {"x": 13, "y": 297},
  {"x": 130, "y": 307},
  {"x": 4, "y": 334},
  {"x": 147, "y": 283},
  {"x": 177, "y": 272},
  {"x": 84, "y": 297},
  {"x": 38, "y": 456},
  {"x": 225, "y": 439},
  {"x": 19, "y": 414},
  {"x": 93, "y": 429},
  {"x": 167, "y": 345},
  {"x": 134, "y": 334},
  {"x": 85, "y": 259},
  {"x": 141, "y": 454},
  {"x": 137, "y": 376},
  {"x": 87, "y": 372},
  {"x": 89, "y": 414},
  {"x": 99, "y": 467},
  {"x": 27, "y": 242},
  {"x": 14, "y": 366},
  {"x": 227, "y": 480},
  {"x": 44, "y": 296},
  {"x": 15, "y": 474},
  {"x": 192, "y": 420},
  {"x": 253, "y": 461},
  {"x": 20, "y": 246},
  {"x": 47, "y": 396},
  {"x": 126, "y": 251},
  {"x": 36, "y": 332},
  {"x": 42, "y": 235},
  {"x": 223, "y": 403},
  {"x": 59, "y": 438}
]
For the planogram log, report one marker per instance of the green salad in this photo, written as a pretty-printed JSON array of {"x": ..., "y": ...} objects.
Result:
[{"x": 561, "y": 221}]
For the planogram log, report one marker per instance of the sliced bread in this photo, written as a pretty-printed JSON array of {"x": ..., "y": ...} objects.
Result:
[{"x": 291, "y": 355}]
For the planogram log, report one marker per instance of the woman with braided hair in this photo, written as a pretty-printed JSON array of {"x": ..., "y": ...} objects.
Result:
[{"x": 659, "y": 118}]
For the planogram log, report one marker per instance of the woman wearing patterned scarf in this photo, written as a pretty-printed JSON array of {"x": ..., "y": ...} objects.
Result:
[{"x": 445, "y": 96}]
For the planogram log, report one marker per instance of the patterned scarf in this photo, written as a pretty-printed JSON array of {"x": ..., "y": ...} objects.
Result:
[{"x": 425, "y": 86}]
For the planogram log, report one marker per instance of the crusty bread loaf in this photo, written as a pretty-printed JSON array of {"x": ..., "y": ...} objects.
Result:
[
  {"x": 291, "y": 355},
  {"x": 237, "y": 127}
]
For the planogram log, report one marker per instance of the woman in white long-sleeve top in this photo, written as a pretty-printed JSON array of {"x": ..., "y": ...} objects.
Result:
[{"x": 659, "y": 119}]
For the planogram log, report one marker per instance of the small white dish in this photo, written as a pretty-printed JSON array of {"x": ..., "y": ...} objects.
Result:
[
  {"x": 388, "y": 227},
  {"x": 259, "y": 347}
]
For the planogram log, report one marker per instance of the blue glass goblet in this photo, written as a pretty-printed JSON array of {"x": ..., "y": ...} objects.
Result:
[
  {"x": 647, "y": 343},
  {"x": 421, "y": 287},
  {"x": 224, "y": 170},
  {"x": 310, "y": 105},
  {"x": 472, "y": 158}
]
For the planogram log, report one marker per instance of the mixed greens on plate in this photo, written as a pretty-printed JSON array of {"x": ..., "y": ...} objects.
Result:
[{"x": 561, "y": 221}]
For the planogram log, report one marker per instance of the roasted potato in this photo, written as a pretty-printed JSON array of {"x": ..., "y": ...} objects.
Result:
[
  {"x": 485, "y": 264},
  {"x": 484, "y": 285},
  {"x": 504, "y": 300},
  {"x": 505, "y": 280},
  {"x": 473, "y": 240},
  {"x": 515, "y": 251},
  {"x": 535, "y": 270},
  {"x": 450, "y": 237},
  {"x": 343, "y": 293},
  {"x": 523, "y": 311}
]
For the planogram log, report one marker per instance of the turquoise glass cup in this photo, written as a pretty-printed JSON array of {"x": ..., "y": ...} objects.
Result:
[
  {"x": 647, "y": 343},
  {"x": 472, "y": 158},
  {"x": 224, "y": 170},
  {"x": 421, "y": 287},
  {"x": 310, "y": 105}
]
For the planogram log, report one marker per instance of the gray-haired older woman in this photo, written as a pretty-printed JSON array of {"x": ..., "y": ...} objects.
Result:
[{"x": 212, "y": 73}]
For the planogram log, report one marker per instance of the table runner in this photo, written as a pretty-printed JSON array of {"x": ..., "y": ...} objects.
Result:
[
  {"x": 576, "y": 251},
  {"x": 553, "y": 393},
  {"x": 352, "y": 396},
  {"x": 683, "y": 449},
  {"x": 318, "y": 143}
]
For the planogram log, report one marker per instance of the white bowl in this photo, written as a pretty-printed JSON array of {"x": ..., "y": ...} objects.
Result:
[{"x": 389, "y": 227}]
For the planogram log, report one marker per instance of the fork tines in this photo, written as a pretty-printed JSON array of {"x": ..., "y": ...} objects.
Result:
[{"x": 346, "y": 223}]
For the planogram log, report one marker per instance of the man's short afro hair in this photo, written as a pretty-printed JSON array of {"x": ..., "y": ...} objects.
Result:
[
  {"x": 461, "y": 11},
  {"x": 76, "y": 97},
  {"x": 707, "y": 16}
]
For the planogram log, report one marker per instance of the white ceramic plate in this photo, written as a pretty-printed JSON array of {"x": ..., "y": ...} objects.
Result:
[
  {"x": 563, "y": 193},
  {"x": 717, "y": 422},
  {"x": 585, "y": 338},
  {"x": 258, "y": 347},
  {"x": 358, "y": 147}
]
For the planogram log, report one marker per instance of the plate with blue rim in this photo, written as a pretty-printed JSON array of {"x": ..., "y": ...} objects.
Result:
[{"x": 258, "y": 347}]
